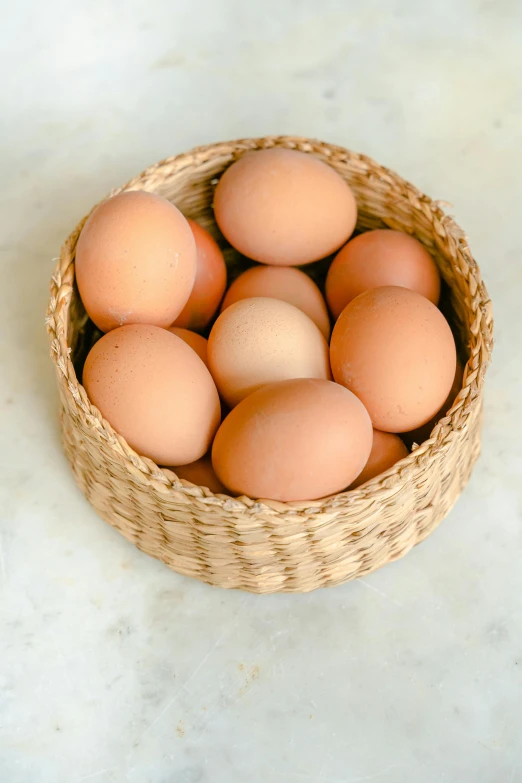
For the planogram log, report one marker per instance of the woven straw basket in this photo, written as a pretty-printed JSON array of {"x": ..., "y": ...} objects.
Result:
[{"x": 260, "y": 545}]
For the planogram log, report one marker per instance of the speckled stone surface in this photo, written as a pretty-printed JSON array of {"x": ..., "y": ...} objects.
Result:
[{"x": 114, "y": 669}]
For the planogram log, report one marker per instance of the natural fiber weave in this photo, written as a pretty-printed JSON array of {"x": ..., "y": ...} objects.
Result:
[{"x": 266, "y": 546}]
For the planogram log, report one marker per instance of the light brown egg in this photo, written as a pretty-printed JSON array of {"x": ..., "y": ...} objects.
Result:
[
  {"x": 294, "y": 440},
  {"x": 394, "y": 349},
  {"x": 202, "y": 474},
  {"x": 379, "y": 258},
  {"x": 155, "y": 391},
  {"x": 387, "y": 449},
  {"x": 286, "y": 283},
  {"x": 284, "y": 207},
  {"x": 210, "y": 283},
  {"x": 196, "y": 341},
  {"x": 258, "y": 341},
  {"x": 135, "y": 261},
  {"x": 423, "y": 433}
]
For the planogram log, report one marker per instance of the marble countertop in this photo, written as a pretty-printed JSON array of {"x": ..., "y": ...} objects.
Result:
[{"x": 114, "y": 669}]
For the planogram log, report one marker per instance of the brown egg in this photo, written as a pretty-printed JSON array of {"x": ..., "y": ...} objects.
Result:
[
  {"x": 210, "y": 283},
  {"x": 378, "y": 258},
  {"x": 284, "y": 207},
  {"x": 202, "y": 474},
  {"x": 294, "y": 440},
  {"x": 394, "y": 349},
  {"x": 258, "y": 341},
  {"x": 423, "y": 433},
  {"x": 387, "y": 449},
  {"x": 196, "y": 341},
  {"x": 155, "y": 391},
  {"x": 286, "y": 283},
  {"x": 135, "y": 261}
]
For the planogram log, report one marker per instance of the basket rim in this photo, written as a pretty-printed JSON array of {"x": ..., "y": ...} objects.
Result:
[{"x": 165, "y": 479}]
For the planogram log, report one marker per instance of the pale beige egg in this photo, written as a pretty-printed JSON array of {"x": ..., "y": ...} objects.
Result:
[{"x": 260, "y": 340}]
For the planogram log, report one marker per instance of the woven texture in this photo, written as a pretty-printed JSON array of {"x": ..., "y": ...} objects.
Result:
[{"x": 265, "y": 546}]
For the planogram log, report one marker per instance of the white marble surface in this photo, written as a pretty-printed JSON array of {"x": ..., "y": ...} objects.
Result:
[{"x": 112, "y": 668}]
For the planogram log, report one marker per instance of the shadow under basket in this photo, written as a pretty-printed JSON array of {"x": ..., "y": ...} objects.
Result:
[{"x": 260, "y": 545}]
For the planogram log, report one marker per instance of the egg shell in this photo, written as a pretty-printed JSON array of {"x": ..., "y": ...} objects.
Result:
[
  {"x": 423, "y": 433},
  {"x": 135, "y": 261},
  {"x": 286, "y": 283},
  {"x": 284, "y": 207},
  {"x": 210, "y": 282},
  {"x": 155, "y": 391},
  {"x": 202, "y": 474},
  {"x": 196, "y": 341},
  {"x": 294, "y": 440},
  {"x": 387, "y": 449},
  {"x": 380, "y": 258},
  {"x": 261, "y": 340},
  {"x": 394, "y": 349}
]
